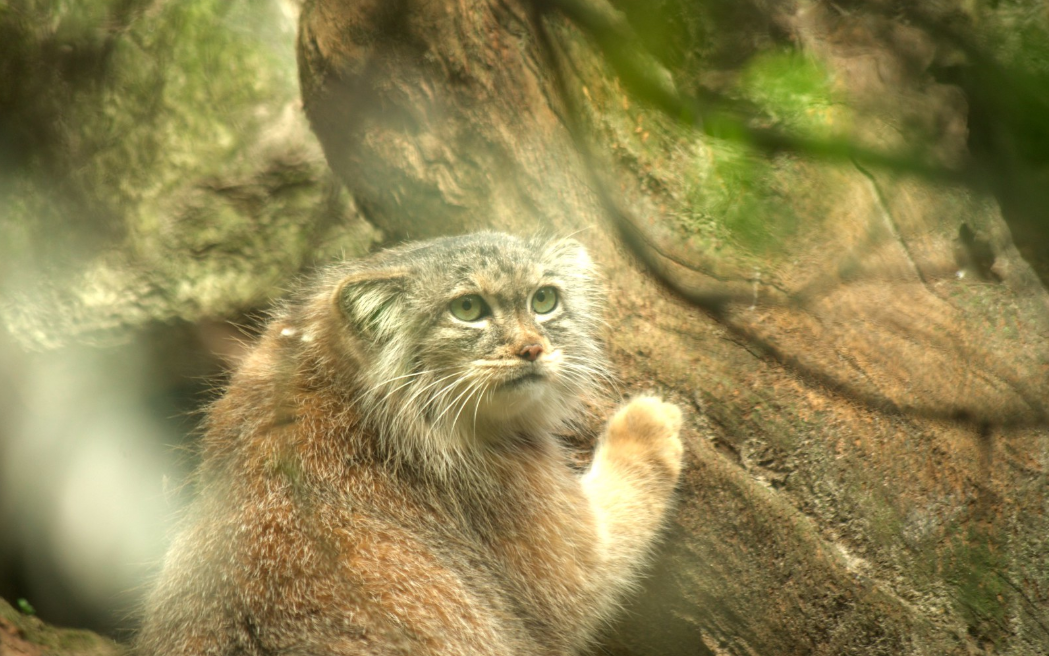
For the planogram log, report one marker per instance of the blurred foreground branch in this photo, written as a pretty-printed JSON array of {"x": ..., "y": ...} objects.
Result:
[{"x": 714, "y": 113}]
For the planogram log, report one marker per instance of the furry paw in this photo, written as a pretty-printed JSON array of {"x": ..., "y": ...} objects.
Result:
[{"x": 646, "y": 427}]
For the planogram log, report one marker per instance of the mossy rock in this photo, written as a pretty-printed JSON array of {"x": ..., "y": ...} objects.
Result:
[
  {"x": 157, "y": 166},
  {"x": 24, "y": 634}
]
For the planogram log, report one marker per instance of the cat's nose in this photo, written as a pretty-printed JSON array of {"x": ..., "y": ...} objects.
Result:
[{"x": 531, "y": 352}]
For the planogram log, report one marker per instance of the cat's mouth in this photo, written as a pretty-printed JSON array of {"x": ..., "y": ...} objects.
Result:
[
  {"x": 525, "y": 378},
  {"x": 514, "y": 374}
]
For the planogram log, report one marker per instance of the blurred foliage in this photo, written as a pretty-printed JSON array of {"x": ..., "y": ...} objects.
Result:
[
  {"x": 792, "y": 91},
  {"x": 693, "y": 37},
  {"x": 25, "y": 607},
  {"x": 733, "y": 193},
  {"x": 729, "y": 197},
  {"x": 734, "y": 72}
]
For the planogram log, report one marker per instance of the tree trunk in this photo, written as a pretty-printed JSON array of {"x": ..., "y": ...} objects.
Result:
[{"x": 867, "y": 454}]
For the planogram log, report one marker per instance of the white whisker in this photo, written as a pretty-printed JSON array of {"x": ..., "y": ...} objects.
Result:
[
  {"x": 451, "y": 405},
  {"x": 480, "y": 400},
  {"x": 476, "y": 386},
  {"x": 411, "y": 375}
]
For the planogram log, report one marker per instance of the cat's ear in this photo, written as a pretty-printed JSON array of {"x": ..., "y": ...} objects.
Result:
[
  {"x": 372, "y": 302},
  {"x": 570, "y": 252}
]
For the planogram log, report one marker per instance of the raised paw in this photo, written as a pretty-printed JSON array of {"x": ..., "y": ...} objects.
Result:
[{"x": 646, "y": 426}]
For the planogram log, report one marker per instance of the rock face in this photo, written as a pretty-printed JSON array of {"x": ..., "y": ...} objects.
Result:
[
  {"x": 868, "y": 453},
  {"x": 156, "y": 166}
]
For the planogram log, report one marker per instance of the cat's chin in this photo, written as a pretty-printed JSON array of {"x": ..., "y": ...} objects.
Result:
[{"x": 516, "y": 397}]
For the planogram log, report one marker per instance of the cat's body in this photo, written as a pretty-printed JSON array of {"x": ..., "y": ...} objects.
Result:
[{"x": 381, "y": 476}]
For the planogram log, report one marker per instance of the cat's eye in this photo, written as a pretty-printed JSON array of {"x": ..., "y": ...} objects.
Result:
[
  {"x": 544, "y": 300},
  {"x": 469, "y": 308}
]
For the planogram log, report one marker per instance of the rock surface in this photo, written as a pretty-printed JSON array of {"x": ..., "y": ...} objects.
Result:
[{"x": 868, "y": 453}]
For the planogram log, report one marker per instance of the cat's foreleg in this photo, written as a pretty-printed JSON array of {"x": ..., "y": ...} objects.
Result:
[{"x": 630, "y": 483}]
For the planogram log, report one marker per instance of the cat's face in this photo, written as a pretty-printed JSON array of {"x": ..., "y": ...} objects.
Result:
[{"x": 472, "y": 335}]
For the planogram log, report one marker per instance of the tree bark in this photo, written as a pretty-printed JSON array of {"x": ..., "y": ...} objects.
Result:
[{"x": 866, "y": 468}]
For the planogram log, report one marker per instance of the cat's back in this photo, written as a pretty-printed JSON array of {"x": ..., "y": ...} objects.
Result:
[
  {"x": 273, "y": 560},
  {"x": 376, "y": 568}
]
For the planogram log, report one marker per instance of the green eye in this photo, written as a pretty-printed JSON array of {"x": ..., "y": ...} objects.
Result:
[
  {"x": 468, "y": 308},
  {"x": 544, "y": 300}
]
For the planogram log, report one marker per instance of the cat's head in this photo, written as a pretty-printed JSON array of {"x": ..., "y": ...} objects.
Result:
[{"x": 466, "y": 341}]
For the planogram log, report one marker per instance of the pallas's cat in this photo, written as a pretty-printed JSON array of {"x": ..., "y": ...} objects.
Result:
[{"x": 382, "y": 475}]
